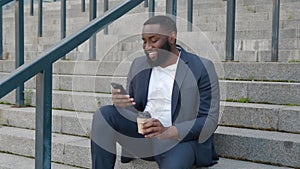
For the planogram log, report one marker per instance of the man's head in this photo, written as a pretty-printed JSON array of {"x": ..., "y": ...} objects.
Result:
[{"x": 159, "y": 39}]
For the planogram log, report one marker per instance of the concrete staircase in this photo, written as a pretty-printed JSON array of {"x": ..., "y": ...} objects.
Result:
[{"x": 259, "y": 121}]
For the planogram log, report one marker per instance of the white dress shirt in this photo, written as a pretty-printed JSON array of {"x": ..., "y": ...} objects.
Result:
[{"x": 160, "y": 93}]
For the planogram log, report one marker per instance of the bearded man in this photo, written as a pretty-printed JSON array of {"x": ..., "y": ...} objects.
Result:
[{"x": 181, "y": 92}]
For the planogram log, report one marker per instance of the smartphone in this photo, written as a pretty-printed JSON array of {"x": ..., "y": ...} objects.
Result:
[{"x": 118, "y": 86}]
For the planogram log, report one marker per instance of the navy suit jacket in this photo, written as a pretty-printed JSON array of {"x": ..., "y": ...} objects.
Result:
[{"x": 195, "y": 100}]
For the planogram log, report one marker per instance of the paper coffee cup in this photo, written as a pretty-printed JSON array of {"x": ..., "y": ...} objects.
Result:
[
  {"x": 140, "y": 122},
  {"x": 142, "y": 116}
]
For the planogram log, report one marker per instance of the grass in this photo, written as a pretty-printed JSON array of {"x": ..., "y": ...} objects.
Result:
[
  {"x": 294, "y": 61},
  {"x": 290, "y": 104},
  {"x": 258, "y": 80},
  {"x": 290, "y": 17},
  {"x": 28, "y": 97},
  {"x": 6, "y": 103},
  {"x": 247, "y": 100},
  {"x": 250, "y": 9},
  {"x": 241, "y": 100}
]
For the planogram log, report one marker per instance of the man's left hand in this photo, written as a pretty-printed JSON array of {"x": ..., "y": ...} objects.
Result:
[{"x": 153, "y": 128}]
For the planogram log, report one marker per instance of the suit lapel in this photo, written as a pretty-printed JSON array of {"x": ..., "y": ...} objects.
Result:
[
  {"x": 181, "y": 72},
  {"x": 146, "y": 81}
]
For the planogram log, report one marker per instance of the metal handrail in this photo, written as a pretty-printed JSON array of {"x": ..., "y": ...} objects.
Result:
[
  {"x": 19, "y": 43},
  {"x": 230, "y": 30},
  {"x": 2, "y": 3},
  {"x": 42, "y": 67},
  {"x": 25, "y": 72}
]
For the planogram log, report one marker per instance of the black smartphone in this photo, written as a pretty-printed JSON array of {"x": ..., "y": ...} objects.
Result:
[{"x": 118, "y": 86}]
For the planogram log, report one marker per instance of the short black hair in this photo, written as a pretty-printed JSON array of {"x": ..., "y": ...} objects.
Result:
[{"x": 165, "y": 22}]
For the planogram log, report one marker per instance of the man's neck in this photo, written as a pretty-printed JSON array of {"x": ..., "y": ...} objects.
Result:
[{"x": 173, "y": 58}]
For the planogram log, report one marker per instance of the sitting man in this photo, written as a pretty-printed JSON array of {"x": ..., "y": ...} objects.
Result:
[{"x": 181, "y": 92}]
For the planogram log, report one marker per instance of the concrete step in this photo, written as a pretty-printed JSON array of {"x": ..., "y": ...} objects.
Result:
[
  {"x": 113, "y": 55},
  {"x": 11, "y": 161},
  {"x": 225, "y": 163},
  {"x": 254, "y": 34},
  {"x": 117, "y": 49},
  {"x": 260, "y": 116},
  {"x": 66, "y": 149},
  {"x": 66, "y": 100},
  {"x": 75, "y": 150},
  {"x": 248, "y": 115},
  {"x": 267, "y": 71},
  {"x": 252, "y": 30},
  {"x": 260, "y": 44},
  {"x": 283, "y": 93},
  {"x": 265, "y": 56},
  {"x": 261, "y": 146},
  {"x": 63, "y": 121},
  {"x": 257, "y": 7},
  {"x": 261, "y": 92}
]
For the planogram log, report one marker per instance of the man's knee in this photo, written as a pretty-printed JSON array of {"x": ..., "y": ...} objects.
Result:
[
  {"x": 102, "y": 119},
  {"x": 104, "y": 113},
  {"x": 176, "y": 161},
  {"x": 182, "y": 156}
]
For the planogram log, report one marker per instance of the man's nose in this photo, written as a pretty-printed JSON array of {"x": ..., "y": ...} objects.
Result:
[{"x": 148, "y": 46}]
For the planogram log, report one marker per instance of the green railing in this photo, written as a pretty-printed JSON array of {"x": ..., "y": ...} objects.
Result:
[
  {"x": 230, "y": 30},
  {"x": 42, "y": 68},
  {"x": 19, "y": 43}
]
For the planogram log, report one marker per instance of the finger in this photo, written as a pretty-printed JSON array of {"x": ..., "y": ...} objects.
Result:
[
  {"x": 123, "y": 102},
  {"x": 115, "y": 91},
  {"x": 152, "y": 131},
  {"x": 122, "y": 105},
  {"x": 120, "y": 96},
  {"x": 152, "y": 134},
  {"x": 151, "y": 122},
  {"x": 131, "y": 100}
]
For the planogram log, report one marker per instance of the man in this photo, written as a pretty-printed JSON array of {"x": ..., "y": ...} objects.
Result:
[{"x": 181, "y": 92}]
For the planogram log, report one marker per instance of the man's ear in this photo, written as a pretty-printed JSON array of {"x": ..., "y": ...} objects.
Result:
[{"x": 172, "y": 38}]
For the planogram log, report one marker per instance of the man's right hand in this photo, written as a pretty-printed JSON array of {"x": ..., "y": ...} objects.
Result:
[{"x": 121, "y": 100}]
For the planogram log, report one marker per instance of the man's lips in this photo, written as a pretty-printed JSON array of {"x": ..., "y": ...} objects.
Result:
[{"x": 152, "y": 55}]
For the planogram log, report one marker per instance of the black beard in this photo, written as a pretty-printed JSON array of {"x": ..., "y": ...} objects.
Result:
[{"x": 163, "y": 54}]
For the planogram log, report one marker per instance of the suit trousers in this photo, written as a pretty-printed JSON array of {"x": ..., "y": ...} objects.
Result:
[{"x": 111, "y": 125}]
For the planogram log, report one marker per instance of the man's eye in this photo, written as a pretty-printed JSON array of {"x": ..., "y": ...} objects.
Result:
[{"x": 153, "y": 40}]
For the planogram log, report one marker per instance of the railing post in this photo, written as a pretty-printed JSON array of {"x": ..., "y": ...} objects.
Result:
[
  {"x": 146, "y": 4},
  {"x": 105, "y": 9},
  {"x": 63, "y": 21},
  {"x": 43, "y": 119},
  {"x": 171, "y": 8},
  {"x": 151, "y": 8},
  {"x": 190, "y": 16},
  {"x": 40, "y": 18},
  {"x": 92, "y": 47},
  {"x": 275, "y": 30},
  {"x": 230, "y": 30},
  {"x": 1, "y": 33},
  {"x": 31, "y": 7},
  {"x": 82, "y": 5},
  {"x": 19, "y": 49}
]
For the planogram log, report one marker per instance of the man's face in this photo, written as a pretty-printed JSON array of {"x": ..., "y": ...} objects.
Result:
[{"x": 155, "y": 44}]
